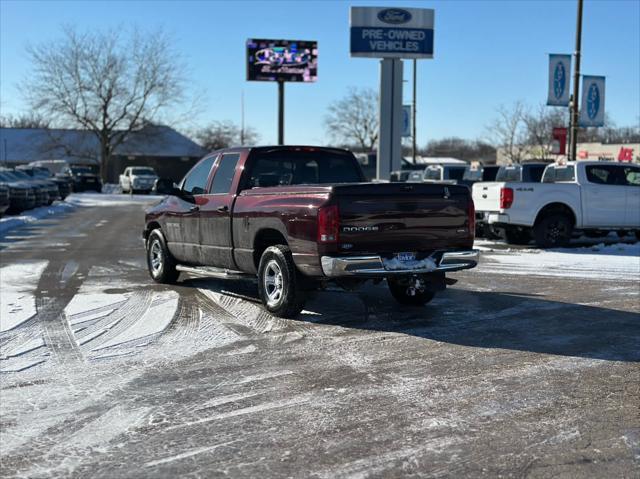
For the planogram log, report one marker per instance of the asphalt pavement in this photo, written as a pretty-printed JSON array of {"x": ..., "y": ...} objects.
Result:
[{"x": 115, "y": 376}]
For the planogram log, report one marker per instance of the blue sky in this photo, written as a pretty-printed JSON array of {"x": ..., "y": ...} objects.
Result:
[{"x": 487, "y": 53}]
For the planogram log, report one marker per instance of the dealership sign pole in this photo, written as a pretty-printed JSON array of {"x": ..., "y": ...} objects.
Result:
[
  {"x": 576, "y": 86},
  {"x": 391, "y": 34},
  {"x": 282, "y": 61}
]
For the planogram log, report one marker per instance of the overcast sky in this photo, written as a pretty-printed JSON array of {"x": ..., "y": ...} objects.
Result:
[{"x": 487, "y": 53}]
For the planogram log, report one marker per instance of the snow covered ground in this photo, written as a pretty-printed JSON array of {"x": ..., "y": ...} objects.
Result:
[
  {"x": 71, "y": 202},
  {"x": 619, "y": 262}
]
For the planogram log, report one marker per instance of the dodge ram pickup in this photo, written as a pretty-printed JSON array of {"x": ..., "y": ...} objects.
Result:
[
  {"x": 300, "y": 217},
  {"x": 591, "y": 196}
]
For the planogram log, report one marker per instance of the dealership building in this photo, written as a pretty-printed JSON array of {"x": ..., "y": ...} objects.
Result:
[{"x": 170, "y": 153}]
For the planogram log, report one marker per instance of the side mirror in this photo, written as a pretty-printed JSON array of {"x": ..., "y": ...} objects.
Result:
[{"x": 165, "y": 186}]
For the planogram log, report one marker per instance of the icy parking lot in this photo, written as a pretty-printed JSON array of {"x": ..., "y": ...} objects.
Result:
[{"x": 528, "y": 366}]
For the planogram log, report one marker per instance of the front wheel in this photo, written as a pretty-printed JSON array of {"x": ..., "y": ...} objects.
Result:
[
  {"x": 279, "y": 284},
  {"x": 162, "y": 266},
  {"x": 553, "y": 230},
  {"x": 407, "y": 294}
]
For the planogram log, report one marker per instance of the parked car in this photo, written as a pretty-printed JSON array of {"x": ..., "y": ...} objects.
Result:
[
  {"x": 416, "y": 176},
  {"x": 399, "y": 176},
  {"x": 474, "y": 174},
  {"x": 444, "y": 173},
  {"x": 138, "y": 179},
  {"x": 5, "y": 199},
  {"x": 591, "y": 196},
  {"x": 40, "y": 189},
  {"x": 41, "y": 173},
  {"x": 523, "y": 172},
  {"x": 53, "y": 193},
  {"x": 83, "y": 178},
  {"x": 22, "y": 196},
  {"x": 300, "y": 217}
]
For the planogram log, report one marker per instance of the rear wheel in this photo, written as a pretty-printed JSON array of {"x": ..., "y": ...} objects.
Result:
[
  {"x": 279, "y": 284},
  {"x": 553, "y": 230},
  {"x": 405, "y": 293},
  {"x": 162, "y": 266}
]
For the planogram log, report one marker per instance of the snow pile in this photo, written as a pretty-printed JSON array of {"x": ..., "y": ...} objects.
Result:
[
  {"x": 69, "y": 204},
  {"x": 17, "y": 299},
  {"x": 27, "y": 217},
  {"x": 620, "y": 262}
]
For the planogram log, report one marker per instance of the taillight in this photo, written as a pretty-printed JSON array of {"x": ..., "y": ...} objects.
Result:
[
  {"x": 506, "y": 198},
  {"x": 472, "y": 218},
  {"x": 328, "y": 224}
]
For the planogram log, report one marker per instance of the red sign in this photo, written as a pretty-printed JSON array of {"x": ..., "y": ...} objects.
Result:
[
  {"x": 559, "y": 141},
  {"x": 625, "y": 154}
]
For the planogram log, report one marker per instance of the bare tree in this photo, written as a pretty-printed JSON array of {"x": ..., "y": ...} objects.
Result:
[
  {"x": 29, "y": 120},
  {"x": 354, "y": 118},
  {"x": 461, "y": 149},
  {"x": 508, "y": 132},
  {"x": 539, "y": 128},
  {"x": 222, "y": 134},
  {"x": 104, "y": 82}
]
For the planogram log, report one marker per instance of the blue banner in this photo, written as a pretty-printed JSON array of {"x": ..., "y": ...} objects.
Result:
[{"x": 392, "y": 42}]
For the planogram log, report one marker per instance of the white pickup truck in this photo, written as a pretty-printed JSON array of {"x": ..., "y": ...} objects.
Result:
[
  {"x": 592, "y": 196},
  {"x": 137, "y": 179}
]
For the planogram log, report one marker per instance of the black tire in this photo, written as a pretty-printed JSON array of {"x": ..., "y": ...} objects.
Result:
[
  {"x": 160, "y": 262},
  {"x": 279, "y": 283},
  {"x": 553, "y": 230},
  {"x": 517, "y": 236},
  {"x": 400, "y": 292}
]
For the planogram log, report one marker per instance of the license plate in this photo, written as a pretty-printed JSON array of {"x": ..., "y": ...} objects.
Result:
[{"x": 406, "y": 257}]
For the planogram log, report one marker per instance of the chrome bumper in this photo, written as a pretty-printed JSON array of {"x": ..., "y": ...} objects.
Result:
[{"x": 374, "y": 265}]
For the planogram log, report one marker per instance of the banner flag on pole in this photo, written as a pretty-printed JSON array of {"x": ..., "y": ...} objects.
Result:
[
  {"x": 559, "y": 74},
  {"x": 406, "y": 120},
  {"x": 592, "y": 104}
]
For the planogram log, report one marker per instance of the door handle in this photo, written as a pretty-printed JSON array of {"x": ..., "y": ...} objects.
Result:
[
  {"x": 223, "y": 209},
  {"x": 194, "y": 208}
]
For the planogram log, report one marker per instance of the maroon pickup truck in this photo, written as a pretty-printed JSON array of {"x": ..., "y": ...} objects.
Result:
[{"x": 299, "y": 217}]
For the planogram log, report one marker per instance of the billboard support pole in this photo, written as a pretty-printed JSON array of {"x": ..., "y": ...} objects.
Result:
[
  {"x": 280, "y": 112},
  {"x": 576, "y": 86},
  {"x": 413, "y": 122},
  {"x": 390, "y": 118}
]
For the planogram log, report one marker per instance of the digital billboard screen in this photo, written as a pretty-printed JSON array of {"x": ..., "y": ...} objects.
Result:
[{"x": 282, "y": 60}]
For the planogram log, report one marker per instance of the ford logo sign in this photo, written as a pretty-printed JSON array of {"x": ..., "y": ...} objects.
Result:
[
  {"x": 559, "y": 80},
  {"x": 394, "y": 16},
  {"x": 593, "y": 101}
]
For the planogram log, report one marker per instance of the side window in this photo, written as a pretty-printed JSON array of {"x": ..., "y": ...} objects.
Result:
[
  {"x": 225, "y": 173},
  {"x": 196, "y": 180},
  {"x": 632, "y": 176},
  {"x": 603, "y": 174}
]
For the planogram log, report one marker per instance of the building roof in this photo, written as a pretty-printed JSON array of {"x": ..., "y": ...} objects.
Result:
[{"x": 19, "y": 145}]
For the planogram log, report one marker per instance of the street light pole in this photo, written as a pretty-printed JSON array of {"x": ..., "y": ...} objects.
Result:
[
  {"x": 576, "y": 86},
  {"x": 413, "y": 120}
]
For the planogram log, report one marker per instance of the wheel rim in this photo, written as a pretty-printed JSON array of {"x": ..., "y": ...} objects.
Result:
[
  {"x": 273, "y": 282},
  {"x": 156, "y": 257},
  {"x": 556, "y": 231}
]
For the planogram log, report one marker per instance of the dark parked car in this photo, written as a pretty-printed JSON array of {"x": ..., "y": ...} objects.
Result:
[
  {"x": 522, "y": 172},
  {"x": 476, "y": 174},
  {"x": 21, "y": 195},
  {"x": 49, "y": 186},
  {"x": 83, "y": 178},
  {"x": 300, "y": 217},
  {"x": 41, "y": 173},
  {"x": 399, "y": 176},
  {"x": 5, "y": 200},
  {"x": 40, "y": 190}
]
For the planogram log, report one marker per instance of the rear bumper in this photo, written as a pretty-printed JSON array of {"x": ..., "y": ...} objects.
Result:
[
  {"x": 373, "y": 266},
  {"x": 491, "y": 217}
]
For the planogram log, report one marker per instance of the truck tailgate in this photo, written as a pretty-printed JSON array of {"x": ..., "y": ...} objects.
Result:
[
  {"x": 486, "y": 196},
  {"x": 402, "y": 217}
]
